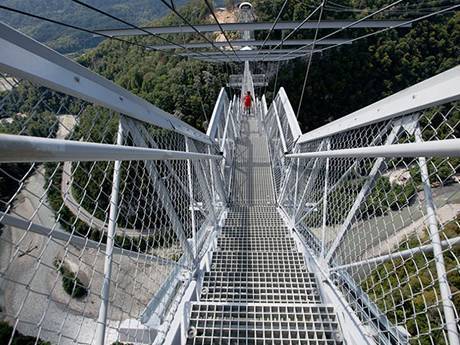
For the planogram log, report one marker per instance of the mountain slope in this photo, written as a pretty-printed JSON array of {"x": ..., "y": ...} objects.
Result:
[{"x": 68, "y": 40}]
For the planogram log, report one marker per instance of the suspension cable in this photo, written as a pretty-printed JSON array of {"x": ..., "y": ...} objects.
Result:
[
  {"x": 177, "y": 13},
  {"x": 393, "y": 27},
  {"x": 280, "y": 12},
  {"x": 135, "y": 26},
  {"x": 345, "y": 27},
  {"x": 297, "y": 28},
  {"x": 221, "y": 29},
  {"x": 79, "y": 28},
  {"x": 310, "y": 58}
]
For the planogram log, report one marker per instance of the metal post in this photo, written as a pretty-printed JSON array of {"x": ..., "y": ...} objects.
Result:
[
  {"x": 192, "y": 201},
  {"x": 447, "y": 304},
  {"x": 326, "y": 178},
  {"x": 311, "y": 180},
  {"x": 105, "y": 292}
]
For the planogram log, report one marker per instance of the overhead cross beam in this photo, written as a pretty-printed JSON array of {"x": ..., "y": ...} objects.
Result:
[
  {"x": 252, "y": 43},
  {"x": 252, "y": 58},
  {"x": 253, "y": 52},
  {"x": 251, "y": 55},
  {"x": 325, "y": 24}
]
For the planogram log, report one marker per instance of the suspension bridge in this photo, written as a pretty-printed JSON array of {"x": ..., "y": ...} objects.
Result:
[{"x": 122, "y": 223}]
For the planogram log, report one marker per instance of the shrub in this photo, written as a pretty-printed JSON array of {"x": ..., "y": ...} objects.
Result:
[
  {"x": 6, "y": 331},
  {"x": 70, "y": 282}
]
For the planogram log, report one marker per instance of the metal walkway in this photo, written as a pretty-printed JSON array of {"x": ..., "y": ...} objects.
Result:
[{"x": 259, "y": 290}]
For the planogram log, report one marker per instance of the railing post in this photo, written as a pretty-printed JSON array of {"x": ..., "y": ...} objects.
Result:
[
  {"x": 447, "y": 304},
  {"x": 325, "y": 193},
  {"x": 113, "y": 212},
  {"x": 192, "y": 201}
]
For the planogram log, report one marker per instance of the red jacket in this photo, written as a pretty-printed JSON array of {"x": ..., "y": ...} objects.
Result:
[{"x": 247, "y": 101}]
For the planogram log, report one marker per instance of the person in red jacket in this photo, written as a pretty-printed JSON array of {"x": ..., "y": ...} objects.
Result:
[{"x": 248, "y": 103}]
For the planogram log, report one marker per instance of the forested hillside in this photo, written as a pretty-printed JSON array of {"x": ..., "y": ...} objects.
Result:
[
  {"x": 349, "y": 77},
  {"x": 68, "y": 40},
  {"x": 340, "y": 81},
  {"x": 185, "y": 87}
]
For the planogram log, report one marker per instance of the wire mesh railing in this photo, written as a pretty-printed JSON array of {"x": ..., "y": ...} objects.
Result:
[
  {"x": 223, "y": 129},
  {"x": 282, "y": 131},
  {"x": 103, "y": 215},
  {"x": 375, "y": 197}
]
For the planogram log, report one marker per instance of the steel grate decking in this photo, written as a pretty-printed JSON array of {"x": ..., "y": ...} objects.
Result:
[
  {"x": 263, "y": 324},
  {"x": 247, "y": 287},
  {"x": 258, "y": 290},
  {"x": 258, "y": 261}
]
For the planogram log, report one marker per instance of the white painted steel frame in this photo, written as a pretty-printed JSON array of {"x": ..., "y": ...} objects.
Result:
[
  {"x": 250, "y": 53},
  {"x": 435, "y": 148},
  {"x": 289, "y": 113},
  {"x": 111, "y": 233},
  {"x": 444, "y": 288},
  {"x": 255, "y": 26},
  {"x": 222, "y": 101},
  {"x": 19, "y": 148},
  {"x": 344, "y": 175},
  {"x": 252, "y": 43},
  {"x": 403, "y": 254},
  {"x": 440, "y": 89},
  {"x": 23, "y": 57}
]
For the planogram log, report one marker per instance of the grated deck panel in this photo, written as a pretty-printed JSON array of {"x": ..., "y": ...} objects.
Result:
[{"x": 258, "y": 290}]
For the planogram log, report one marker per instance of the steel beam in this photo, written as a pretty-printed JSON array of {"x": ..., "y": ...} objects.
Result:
[
  {"x": 253, "y": 52},
  {"x": 313, "y": 24},
  {"x": 19, "y": 148},
  {"x": 164, "y": 196},
  {"x": 403, "y": 254},
  {"x": 440, "y": 89},
  {"x": 217, "y": 112},
  {"x": 346, "y": 174},
  {"x": 23, "y": 57},
  {"x": 252, "y": 43},
  {"x": 435, "y": 148},
  {"x": 101, "y": 322},
  {"x": 448, "y": 306},
  {"x": 253, "y": 58}
]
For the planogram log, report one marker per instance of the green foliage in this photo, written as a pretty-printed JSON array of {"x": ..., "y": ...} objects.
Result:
[
  {"x": 68, "y": 40},
  {"x": 6, "y": 332},
  {"x": 385, "y": 197},
  {"x": 70, "y": 282},
  {"x": 347, "y": 78},
  {"x": 12, "y": 174},
  {"x": 408, "y": 290},
  {"x": 187, "y": 88}
]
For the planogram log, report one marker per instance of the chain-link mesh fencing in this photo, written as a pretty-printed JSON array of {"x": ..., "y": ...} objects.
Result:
[{"x": 55, "y": 223}]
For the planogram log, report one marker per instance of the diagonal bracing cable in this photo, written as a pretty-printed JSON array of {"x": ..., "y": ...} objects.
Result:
[
  {"x": 79, "y": 28},
  {"x": 177, "y": 13},
  {"x": 393, "y": 27},
  {"x": 280, "y": 12},
  {"x": 293, "y": 31},
  {"x": 221, "y": 29},
  {"x": 310, "y": 58},
  {"x": 132, "y": 25},
  {"x": 346, "y": 26}
]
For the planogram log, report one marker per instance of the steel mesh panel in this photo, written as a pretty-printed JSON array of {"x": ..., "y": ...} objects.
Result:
[
  {"x": 55, "y": 219},
  {"x": 363, "y": 212}
]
